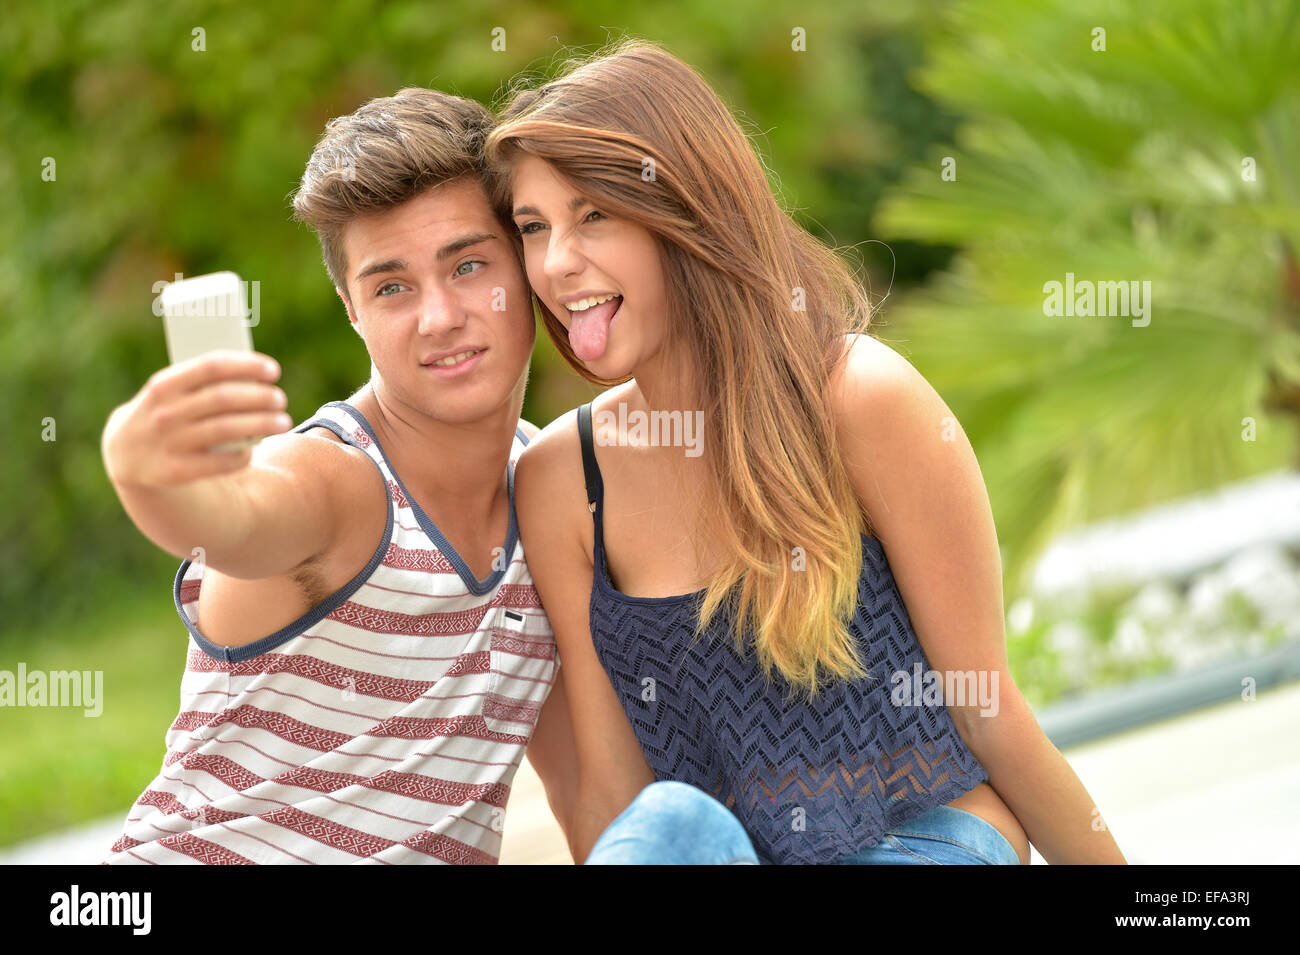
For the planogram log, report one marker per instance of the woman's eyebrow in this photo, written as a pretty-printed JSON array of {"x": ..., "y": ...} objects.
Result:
[{"x": 574, "y": 203}]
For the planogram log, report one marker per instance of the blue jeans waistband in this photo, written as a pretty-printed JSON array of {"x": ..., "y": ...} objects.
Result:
[{"x": 943, "y": 835}]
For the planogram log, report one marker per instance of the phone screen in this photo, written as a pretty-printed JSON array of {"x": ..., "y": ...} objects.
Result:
[
  {"x": 204, "y": 314},
  {"x": 207, "y": 313}
]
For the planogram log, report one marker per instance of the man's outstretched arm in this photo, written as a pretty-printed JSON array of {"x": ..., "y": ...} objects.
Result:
[{"x": 256, "y": 512}]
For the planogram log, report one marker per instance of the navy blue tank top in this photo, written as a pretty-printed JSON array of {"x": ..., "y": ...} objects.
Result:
[{"x": 811, "y": 782}]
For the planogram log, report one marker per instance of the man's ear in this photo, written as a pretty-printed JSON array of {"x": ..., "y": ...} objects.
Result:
[{"x": 352, "y": 316}]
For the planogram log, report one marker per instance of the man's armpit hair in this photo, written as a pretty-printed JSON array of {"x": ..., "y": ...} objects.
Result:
[{"x": 310, "y": 581}]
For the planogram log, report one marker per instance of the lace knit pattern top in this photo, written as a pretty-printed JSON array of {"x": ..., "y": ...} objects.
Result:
[{"x": 811, "y": 782}]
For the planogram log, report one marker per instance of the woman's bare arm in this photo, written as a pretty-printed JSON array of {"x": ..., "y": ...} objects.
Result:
[
  {"x": 916, "y": 474},
  {"x": 557, "y": 532}
]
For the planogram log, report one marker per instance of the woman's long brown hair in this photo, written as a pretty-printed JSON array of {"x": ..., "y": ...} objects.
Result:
[{"x": 759, "y": 309}]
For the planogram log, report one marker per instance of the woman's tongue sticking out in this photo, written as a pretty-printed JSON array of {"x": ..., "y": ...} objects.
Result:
[{"x": 589, "y": 329}]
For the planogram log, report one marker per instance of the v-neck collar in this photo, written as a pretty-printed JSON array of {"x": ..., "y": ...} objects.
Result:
[{"x": 472, "y": 583}]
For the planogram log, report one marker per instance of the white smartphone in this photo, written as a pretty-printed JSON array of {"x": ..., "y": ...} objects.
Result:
[{"x": 203, "y": 314}]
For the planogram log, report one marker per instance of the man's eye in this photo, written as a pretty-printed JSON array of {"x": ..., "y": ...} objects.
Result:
[
  {"x": 527, "y": 228},
  {"x": 380, "y": 292},
  {"x": 464, "y": 264}
]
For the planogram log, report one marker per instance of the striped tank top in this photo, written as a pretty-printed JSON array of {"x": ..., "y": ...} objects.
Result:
[
  {"x": 811, "y": 782},
  {"x": 383, "y": 726}
]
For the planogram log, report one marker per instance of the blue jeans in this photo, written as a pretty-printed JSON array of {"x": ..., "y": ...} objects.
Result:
[
  {"x": 939, "y": 836},
  {"x": 672, "y": 823}
]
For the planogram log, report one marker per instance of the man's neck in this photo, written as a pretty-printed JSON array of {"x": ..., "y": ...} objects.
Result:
[{"x": 454, "y": 469}]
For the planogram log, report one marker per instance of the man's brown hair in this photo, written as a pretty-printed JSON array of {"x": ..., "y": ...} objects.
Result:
[{"x": 387, "y": 152}]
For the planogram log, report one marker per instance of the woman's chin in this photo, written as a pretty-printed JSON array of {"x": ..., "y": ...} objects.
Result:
[
  {"x": 604, "y": 368},
  {"x": 610, "y": 365}
]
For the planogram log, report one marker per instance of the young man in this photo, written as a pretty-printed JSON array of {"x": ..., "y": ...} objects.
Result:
[{"x": 368, "y": 659}]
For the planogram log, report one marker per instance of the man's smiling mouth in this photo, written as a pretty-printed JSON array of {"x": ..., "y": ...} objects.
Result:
[
  {"x": 455, "y": 359},
  {"x": 452, "y": 364}
]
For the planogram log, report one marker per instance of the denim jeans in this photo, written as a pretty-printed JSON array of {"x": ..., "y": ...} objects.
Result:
[
  {"x": 939, "y": 836},
  {"x": 672, "y": 823}
]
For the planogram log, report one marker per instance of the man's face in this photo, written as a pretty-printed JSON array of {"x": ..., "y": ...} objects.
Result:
[{"x": 432, "y": 280}]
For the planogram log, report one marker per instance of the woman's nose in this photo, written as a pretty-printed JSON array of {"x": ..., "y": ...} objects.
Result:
[{"x": 562, "y": 258}]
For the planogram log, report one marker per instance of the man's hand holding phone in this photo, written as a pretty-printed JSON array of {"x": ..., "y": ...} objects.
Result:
[
  {"x": 183, "y": 453},
  {"x": 189, "y": 420}
]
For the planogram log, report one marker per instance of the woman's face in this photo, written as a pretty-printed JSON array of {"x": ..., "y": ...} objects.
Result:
[{"x": 575, "y": 256}]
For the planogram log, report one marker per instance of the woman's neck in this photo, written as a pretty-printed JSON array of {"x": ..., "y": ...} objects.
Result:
[{"x": 666, "y": 382}]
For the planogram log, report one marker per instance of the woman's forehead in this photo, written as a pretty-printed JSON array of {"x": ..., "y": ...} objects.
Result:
[{"x": 535, "y": 181}]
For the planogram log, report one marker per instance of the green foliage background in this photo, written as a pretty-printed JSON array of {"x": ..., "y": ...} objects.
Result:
[{"x": 1170, "y": 156}]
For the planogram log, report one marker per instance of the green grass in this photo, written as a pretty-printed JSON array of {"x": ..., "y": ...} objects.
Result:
[{"x": 59, "y": 767}]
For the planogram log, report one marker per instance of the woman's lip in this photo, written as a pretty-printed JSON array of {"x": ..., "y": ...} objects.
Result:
[
  {"x": 460, "y": 368},
  {"x": 564, "y": 309},
  {"x": 612, "y": 319},
  {"x": 565, "y": 305}
]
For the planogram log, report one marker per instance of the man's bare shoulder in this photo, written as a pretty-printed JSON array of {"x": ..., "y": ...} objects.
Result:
[{"x": 319, "y": 458}]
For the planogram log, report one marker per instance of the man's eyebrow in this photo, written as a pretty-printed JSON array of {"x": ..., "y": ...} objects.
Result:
[
  {"x": 392, "y": 265},
  {"x": 574, "y": 203},
  {"x": 464, "y": 242},
  {"x": 446, "y": 252}
]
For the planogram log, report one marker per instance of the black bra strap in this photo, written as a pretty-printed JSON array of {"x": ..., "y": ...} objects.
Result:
[{"x": 589, "y": 468}]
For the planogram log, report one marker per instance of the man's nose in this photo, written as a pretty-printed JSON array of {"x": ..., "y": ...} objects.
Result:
[{"x": 440, "y": 312}]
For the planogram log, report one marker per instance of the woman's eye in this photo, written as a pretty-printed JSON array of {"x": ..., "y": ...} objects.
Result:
[
  {"x": 464, "y": 264},
  {"x": 380, "y": 292},
  {"x": 527, "y": 228},
  {"x": 594, "y": 213}
]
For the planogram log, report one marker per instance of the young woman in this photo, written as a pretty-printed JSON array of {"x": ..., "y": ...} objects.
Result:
[{"x": 768, "y": 534}]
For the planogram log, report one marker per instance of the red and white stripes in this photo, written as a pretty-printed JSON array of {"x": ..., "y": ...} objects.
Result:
[{"x": 387, "y": 730}]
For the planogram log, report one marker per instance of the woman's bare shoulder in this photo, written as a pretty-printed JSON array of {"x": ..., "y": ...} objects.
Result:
[
  {"x": 867, "y": 361},
  {"x": 554, "y": 454},
  {"x": 550, "y": 485}
]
